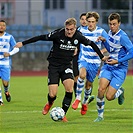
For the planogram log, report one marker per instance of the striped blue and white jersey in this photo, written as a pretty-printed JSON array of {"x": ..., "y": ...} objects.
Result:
[
  {"x": 7, "y": 43},
  {"x": 86, "y": 52},
  {"x": 120, "y": 45}
]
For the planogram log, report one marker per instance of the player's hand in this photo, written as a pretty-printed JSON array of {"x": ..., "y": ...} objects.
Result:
[
  {"x": 6, "y": 54},
  {"x": 112, "y": 61},
  {"x": 105, "y": 58},
  {"x": 76, "y": 51},
  {"x": 19, "y": 45},
  {"x": 100, "y": 38}
]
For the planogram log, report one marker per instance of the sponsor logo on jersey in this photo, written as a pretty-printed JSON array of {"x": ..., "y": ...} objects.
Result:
[{"x": 67, "y": 47}]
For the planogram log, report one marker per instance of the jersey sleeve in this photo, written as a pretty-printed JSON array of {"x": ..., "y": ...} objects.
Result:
[
  {"x": 12, "y": 42},
  {"x": 125, "y": 41},
  {"x": 47, "y": 37},
  {"x": 127, "y": 44},
  {"x": 127, "y": 57}
]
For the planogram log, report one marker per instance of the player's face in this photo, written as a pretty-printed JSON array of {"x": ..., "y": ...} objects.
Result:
[
  {"x": 91, "y": 23},
  {"x": 114, "y": 25},
  {"x": 2, "y": 27},
  {"x": 83, "y": 21},
  {"x": 70, "y": 30}
]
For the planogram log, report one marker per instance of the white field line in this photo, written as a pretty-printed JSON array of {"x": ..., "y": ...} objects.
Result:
[{"x": 36, "y": 111}]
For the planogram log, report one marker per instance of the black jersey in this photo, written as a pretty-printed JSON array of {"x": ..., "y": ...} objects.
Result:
[{"x": 63, "y": 47}]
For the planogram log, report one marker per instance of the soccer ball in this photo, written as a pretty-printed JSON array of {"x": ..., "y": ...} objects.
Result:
[{"x": 57, "y": 113}]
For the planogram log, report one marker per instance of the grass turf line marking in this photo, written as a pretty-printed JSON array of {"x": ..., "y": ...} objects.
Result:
[{"x": 36, "y": 111}]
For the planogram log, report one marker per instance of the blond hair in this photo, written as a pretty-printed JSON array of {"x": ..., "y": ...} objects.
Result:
[
  {"x": 70, "y": 21},
  {"x": 92, "y": 14}
]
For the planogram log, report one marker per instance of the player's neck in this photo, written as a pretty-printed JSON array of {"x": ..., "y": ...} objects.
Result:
[{"x": 1, "y": 33}]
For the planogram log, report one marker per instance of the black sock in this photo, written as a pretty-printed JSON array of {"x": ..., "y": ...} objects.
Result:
[
  {"x": 67, "y": 101},
  {"x": 75, "y": 88},
  {"x": 51, "y": 100}
]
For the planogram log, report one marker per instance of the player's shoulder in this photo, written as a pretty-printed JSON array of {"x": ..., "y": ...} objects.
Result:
[
  {"x": 124, "y": 37},
  {"x": 56, "y": 33},
  {"x": 7, "y": 34},
  {"x": 59, "y": 30},
  {"x": 122, "y": 32},
  {"x": 98, "y": 28},
  {"x": 78, "y": 33}
]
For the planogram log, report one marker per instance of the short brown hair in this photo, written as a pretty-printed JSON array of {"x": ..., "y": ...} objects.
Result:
[
  {"x": 83, "y": 14},
  {"x": 3, "y": 21},
  {"x": 92, "y": 14},
  {"x": 70, "y": 21},
  {"x": 113, "y": 16}
]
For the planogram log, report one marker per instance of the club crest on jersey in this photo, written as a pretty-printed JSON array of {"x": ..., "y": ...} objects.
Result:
[{"x": 75, "y": 41}]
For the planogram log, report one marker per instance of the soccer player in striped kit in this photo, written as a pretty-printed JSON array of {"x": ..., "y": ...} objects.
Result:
[
  {"x": 89, "y": 62},
  {"x": 75, "y": 58},
  {"x": 113, "y": 73},
  {"x": 7, "y": 43}
]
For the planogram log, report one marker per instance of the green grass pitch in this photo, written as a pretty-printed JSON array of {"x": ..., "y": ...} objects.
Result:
[{"x": 29, "y": 94}]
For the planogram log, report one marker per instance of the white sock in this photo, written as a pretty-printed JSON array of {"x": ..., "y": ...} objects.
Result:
[
  {"x": 1, "y": 95},
  {"x": 118, "y": 93},
  {"x": 100, "y": 106},
  {"x": 86, "y": 95},
  {"x": 80, "y": 85}
]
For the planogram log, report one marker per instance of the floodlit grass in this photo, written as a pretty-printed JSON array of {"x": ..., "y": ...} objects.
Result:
[{"x": 29, "y": 94}]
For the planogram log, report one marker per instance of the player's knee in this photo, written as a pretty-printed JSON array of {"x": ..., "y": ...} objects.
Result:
[
  {"x": 52, "y": 95},
  {"x": 101, "y": 90},
  {"x": 5, "y": 83}
]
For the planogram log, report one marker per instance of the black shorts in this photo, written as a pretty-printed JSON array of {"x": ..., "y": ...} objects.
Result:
[
  {"x": 55, "y": 73},
  {"x": 75, "y": 66}
]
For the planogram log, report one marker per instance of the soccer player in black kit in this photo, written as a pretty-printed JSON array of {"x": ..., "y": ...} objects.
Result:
[{"x": 65, "y": 41}]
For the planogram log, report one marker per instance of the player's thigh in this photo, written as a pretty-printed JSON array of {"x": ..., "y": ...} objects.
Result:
[
  {"x": 67, "y": 78},
  {"x": 118, "y": 78},
  {"x": 53, "y": 75},
  {"x": 91, "y": 73},
  {"x": 82, "y": 69},
  {"x": 105, "y": 73},
  {"x": 68, "y": 84}
]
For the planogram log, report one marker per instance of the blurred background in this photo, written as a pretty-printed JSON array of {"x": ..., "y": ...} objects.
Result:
[{"x": 27, "y": 18}]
